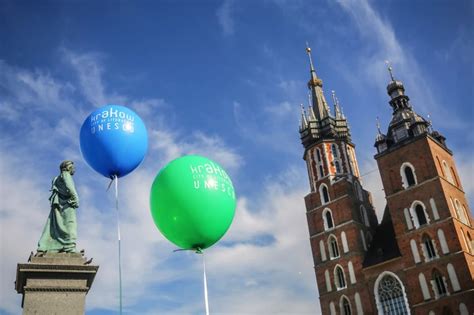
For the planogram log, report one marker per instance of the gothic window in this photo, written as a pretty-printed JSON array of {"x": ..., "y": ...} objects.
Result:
[
  {"x": 470, "y": 243},
  {"x": 337, "y": 165},
  {"x": 368, "y": 238},
  {"x": 414, "y": 251},
  {"x": 440, "y": 166},
  {"x": 332, "y": 308},
  {"x": 363, "y": 216},
  {"x": 420, "y": 215},
  {"x": 409, "y": 176},
  {"x": 334, "y": 151},
  {"x": 424, "y": 287},
  {"x": 390, "y": 295},
  {"x": 358, "y": 304},
  {"x": 319, "y": 163},
  {"x": 327, "y": 219},
  {"x": 453, "y": 277},
  {"x": 345, "y": 306},
  {"x": 429, "y": 248},
  {"x": 447, "y": 172},
  {"x": 442, "y": 242},
  {"x": 362, "y": 237},
  {"x": 328, "y": 281},
  {"x": 460, "y": 211},
  {"x": 407, "y": 171},
  {"x": 322, "y": 249},
  {"x": 438, "y": 284},
  {"x": 339, "y": 277},
  {"x": 453, "y": 174},
  {"x": 333, "y": 247},
  {"x": 463, "y": 309},
  {"x": 318, "y": 155},
  {"x": 323, "y": 191},
  {"x": 358, "y": 190},
  {"x": 466, "y": 216}
]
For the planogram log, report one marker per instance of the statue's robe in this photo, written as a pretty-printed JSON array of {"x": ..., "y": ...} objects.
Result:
[{"x": 60, "y": 230}]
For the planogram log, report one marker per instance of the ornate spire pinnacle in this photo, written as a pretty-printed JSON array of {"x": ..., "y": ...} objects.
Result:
[
  {"x": 390, "y": 69},
  {"x": 311, "y": 115},
  {"x": 378, "y": 126},
  {"x": 319, "y": 104},
  {"x": 304, "y": 122},
  {"x": 308, "y": 50},
  {"x": 337, "y": 111},
  {"x": 430, "y": 124}
]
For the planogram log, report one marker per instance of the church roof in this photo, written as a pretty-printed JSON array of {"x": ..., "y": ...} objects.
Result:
[{"x": 384, "y": 244}]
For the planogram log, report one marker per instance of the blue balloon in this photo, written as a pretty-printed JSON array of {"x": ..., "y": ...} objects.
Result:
[{"x": 113, "y": 140}]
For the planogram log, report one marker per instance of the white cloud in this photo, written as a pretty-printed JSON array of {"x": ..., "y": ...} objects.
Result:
[{"x": 224, "y": 17}]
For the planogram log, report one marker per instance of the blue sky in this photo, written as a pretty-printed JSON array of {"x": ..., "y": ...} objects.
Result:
[{"x": 223, "y": 79}]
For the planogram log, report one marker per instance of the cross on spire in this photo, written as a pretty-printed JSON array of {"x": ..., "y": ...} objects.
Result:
[{"x": 390, "y": 69}]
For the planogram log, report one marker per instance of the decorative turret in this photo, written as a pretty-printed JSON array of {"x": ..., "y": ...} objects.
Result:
[
  {"x": 406, "y": 124},
  {"x": 320, "y": 124}
]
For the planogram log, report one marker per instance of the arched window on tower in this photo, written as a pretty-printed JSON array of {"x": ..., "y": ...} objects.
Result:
[
  {"x": 447, "y": 172},
  {"x": 440, "y": 166},
  {"x": 428, "y": 248},
  {"x": 327, "y": 219},
  {"x": 358, "y": 190},
  {"x": 419, "y": 214},
  {"x": 363, "y": 215},
  {"x": 345, "y": 306},
  {"x": 335, "y": 152},
  {"x": 470, "y": 243},
  {"x": 337, "y": 165},
  {"x": 318, "y": 155},
  {"x": 439, "y": 285},
  {"x": 453, "y": 174},
  {"x": 324, "y": 194},
  {"x": 339, "y": 277},
  {"x": 407, "y": 171},
  {"x": 333, "y": 247},
  {"x": 319, "y": 163},
  {"x": 390, "y": 295},
  {"x": 460, "y": 211}
]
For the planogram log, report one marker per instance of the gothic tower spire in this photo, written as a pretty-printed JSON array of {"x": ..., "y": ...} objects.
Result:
[
  {"x": 315, "y": 85},
  {"x": 321, "y": 125}
]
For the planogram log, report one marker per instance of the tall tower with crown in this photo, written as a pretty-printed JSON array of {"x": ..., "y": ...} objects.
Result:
[{"x": 340, "y": 215}]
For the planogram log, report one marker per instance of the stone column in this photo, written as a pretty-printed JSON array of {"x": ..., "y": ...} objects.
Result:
[{"x": 55, "y": 283}]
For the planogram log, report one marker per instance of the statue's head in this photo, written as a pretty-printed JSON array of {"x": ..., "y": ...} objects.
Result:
[{"x": 67, "y": 166}]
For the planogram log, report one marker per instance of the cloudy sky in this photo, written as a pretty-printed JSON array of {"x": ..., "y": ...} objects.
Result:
[{"x": 222, "y": 79}]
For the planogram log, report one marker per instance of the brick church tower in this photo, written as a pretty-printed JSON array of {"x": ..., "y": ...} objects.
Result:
[
  {"x": 340, "y": 215},
  {"x": 420, "y": 258}
]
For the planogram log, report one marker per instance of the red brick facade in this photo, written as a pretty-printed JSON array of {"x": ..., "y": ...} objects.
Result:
[{"x": 420, "y": 258}]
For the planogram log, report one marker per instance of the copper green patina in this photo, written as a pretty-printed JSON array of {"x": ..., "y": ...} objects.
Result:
[{"x": 60, "y": 230}]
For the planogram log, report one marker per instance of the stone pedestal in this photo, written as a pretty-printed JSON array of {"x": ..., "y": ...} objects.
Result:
[{"x": 56, "y": 283}]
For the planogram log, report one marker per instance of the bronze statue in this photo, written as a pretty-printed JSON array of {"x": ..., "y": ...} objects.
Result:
[{"x": 60, "y": 231}]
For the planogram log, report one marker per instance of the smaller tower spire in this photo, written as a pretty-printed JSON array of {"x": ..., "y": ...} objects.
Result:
[
  {"x": 311, "y": 115},
  {"x": 378, "y": 125},
  {"x": 337, "y": 110},
  {"x": 304, "y": 121},
  {"x": 430, "y": 125}
]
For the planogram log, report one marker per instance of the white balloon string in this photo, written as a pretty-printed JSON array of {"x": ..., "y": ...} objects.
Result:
[
  {"x": 206, "y": 301},
  {"x": 119, "y": 239}
]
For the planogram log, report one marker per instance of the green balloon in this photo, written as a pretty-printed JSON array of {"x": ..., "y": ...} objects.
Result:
[{"x": 192, "y": 202}]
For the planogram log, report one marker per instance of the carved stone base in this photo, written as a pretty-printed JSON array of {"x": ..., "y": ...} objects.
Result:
[{"x": 55, "y": 283}]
